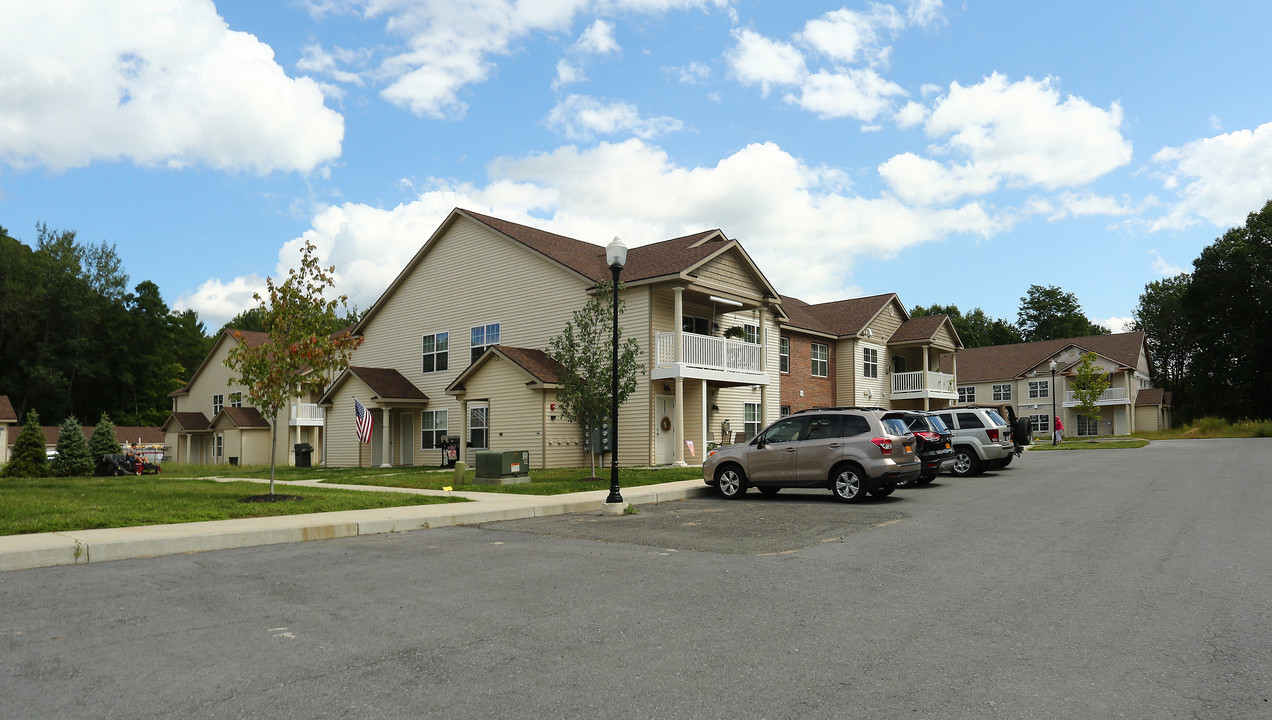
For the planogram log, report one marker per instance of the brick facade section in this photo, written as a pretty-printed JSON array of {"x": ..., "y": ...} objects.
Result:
[{"x": 818, "y": 391}]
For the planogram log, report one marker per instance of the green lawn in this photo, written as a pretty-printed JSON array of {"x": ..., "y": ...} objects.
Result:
[
  {"x": 552, "y": 481},
  {"x": 1091, "y": 444},
  {"x": 32, "y": 505}
]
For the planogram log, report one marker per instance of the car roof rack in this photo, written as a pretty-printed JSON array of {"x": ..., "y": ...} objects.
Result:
[{"x": 841, "y": 407}]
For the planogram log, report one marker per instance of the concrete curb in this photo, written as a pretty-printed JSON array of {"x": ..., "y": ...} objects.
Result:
[{"x": 22, "y": 552}]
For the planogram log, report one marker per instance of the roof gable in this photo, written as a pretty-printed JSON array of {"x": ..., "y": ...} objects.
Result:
[
  {"x": 841, "y": 317},
  {"x": 542, "y": 370},
  {"x": 997, "y": 362},
  {"x": 251, "y": 338},
  {"x": 7, "y": 413}
]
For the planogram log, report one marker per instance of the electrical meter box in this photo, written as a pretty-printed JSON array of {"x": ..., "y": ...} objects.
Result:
[{"x": 494, "y": 467}]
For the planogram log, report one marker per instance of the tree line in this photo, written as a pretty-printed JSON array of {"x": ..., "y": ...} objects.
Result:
[
  {"x": 76, "y": 342},
  {"x": 1210, "y": 331},
  {"x": 1046, "y": 313}
]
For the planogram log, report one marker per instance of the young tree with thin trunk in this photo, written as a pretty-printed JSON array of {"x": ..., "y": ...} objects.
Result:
[
  {"x": 300, "y": 356},
  {"x": 1089, "y": 383}
]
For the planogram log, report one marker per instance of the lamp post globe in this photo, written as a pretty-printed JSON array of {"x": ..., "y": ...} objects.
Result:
[
  {"x": 1054, "y": 439},
  {"x": 616, "y": 256}
]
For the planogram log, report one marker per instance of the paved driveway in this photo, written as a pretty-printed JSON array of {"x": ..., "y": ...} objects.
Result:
[{"x": 1100, "y": 584}]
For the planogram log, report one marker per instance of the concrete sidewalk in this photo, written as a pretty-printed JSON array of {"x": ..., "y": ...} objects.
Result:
[{"x": 20, "y": 552}]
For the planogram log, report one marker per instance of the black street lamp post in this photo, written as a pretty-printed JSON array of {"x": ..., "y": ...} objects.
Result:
[
  {"x": 616, "y": 255},
  {"x": 1054, "y": 439}
]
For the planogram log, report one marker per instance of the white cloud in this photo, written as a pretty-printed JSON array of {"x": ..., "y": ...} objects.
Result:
[
  {"x": 320, "y": 61},
  {"x": 1071, "y": 204},
  {"x": 1163, "y": 268},
  {"x": 789, "y": 211},
  {"x": 1116, "y": 324},
  {"x": 859, "y": 94},
  {"x": 694, "y": 73},
  {"x": 1017, "y": 134},
  {"x": 216, "y": 300},
  {"x": 757, "y": 60},
  {"x": 847, "y": 36},
  {"x": 567, "y": 73},
  {"x": 1219, "y": 179},
  {"x": 156, "y": 83},
  {"x": 913, "y": 113},
  {"x": 925, "y": 12},
  {"x": 583, "y": 117},
  {"x": 598, "y": 39},
  {"x": 451, "y": 43}
]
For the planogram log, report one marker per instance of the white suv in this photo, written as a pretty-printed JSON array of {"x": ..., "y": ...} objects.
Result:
[{"x": 982, "y": 439}]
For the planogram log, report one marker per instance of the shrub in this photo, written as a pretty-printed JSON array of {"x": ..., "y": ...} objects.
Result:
[
  {"x": 1210, "y": 424},
  {"x": 72, "y": 459},
  {"x": 29, "y": 458},
  {"x": 103, "y": 441}
]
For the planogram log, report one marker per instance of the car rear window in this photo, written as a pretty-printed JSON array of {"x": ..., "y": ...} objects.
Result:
[
  {"x": 995, "y": 418},
  {"x": 895, "y": 426},
  {"x": 938, "y": 425}
]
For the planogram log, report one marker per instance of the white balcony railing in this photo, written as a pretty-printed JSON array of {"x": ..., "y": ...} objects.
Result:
[
  {"x": 1112, "y": 396},
  {"x": 922, "y": 383},
  {"x": 307, "y": 414},
  {"x": 712, "y": 353}
]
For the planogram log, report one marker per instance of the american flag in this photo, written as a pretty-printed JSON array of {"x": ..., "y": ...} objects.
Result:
[{"x": 363, "y": 421}]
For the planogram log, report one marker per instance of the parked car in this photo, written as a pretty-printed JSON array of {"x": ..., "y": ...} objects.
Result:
[
  {"x": 851, "y": 451},
  {"x": 982, "y": 439},
  {"x": 934, "y": 443}
]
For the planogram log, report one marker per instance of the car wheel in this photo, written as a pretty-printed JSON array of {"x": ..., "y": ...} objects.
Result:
[
  {"x": 1006, "y": 461},
  {"x": 907, "y": 483},
  {"x": 965, "y": 463},
  {"x": 847, "y": 485},
  {"x": 924, "y": 479},
  {"x": 884, "y": 490},
  {"x": 769, "y": 489},
  {"x": 731, "y": 482}
]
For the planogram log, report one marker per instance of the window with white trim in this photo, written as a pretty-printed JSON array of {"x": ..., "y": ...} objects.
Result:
[
  {"x": 870, "y": 362},
  {"x": 786, "y": 410},
  {"x": 967, "y": 394},
  {"x": 433, "y": 427},
  {"x": 751, "y": 334},
  {"x": 218, "y": 445},
  {"x": 1040, "y": 424},
  {"x": 1039, "y": 388},
  {"x": 1002, "y": 393},
  {"x": 750, "y": 419},
  {"x": 1087, "y": 426},
  {"x": 820, "y": 354},
  {"x": 218, "y": 402},
  {"x": 435, "y": 351},
  {"x": 695, "y": 325},
  {"x": 478, "y": 426},
  {"x": 482, "y": 337},
  {"x": 784, "y": 354},
  {"x": 236, "y": 399}
]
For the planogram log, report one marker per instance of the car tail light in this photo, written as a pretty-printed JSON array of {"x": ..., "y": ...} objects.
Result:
[
  {"x": 884, "y": 444},
  {"x": 993, "y": 434},
  {"x": 929, "y": 436}
]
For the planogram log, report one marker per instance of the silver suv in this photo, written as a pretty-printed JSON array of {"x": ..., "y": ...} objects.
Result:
[
  {"x": 850, "y": 451},
  {"x": 982, "y": 439}
]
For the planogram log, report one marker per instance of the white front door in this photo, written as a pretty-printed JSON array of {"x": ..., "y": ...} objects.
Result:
[{"x": 664, "y": 427}]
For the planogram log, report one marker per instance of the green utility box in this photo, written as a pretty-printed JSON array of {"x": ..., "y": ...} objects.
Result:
[{"x": 494, "y": 467}]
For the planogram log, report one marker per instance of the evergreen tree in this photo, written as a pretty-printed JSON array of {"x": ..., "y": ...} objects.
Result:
[
  {"x": 72, "y": 459},
  {"x": 29, "y": 458},
  {"x": 103, "y": 441}
]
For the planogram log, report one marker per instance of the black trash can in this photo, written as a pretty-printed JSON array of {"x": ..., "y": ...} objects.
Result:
[{"x": 304, "y": 453}]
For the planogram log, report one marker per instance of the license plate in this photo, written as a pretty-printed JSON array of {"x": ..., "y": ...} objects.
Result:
[
  {"x": 909, "y": 447},
  {"x": 947, "y": 446}
]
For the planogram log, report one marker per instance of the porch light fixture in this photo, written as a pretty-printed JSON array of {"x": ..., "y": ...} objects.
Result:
[
  {"x": 723, "y": 301},
  {"x": 616, "y": 256},
  {"x": 1054, "y": 440}
]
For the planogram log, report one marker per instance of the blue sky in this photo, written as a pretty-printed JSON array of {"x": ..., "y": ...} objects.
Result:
[{"x": 952, "y": 153}]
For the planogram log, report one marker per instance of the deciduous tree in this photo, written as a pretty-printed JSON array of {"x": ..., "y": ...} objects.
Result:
[
  {"x": 300, "y": 355},
  {"x": 1089, "y": 382},
  {"x": 1049, "y": 313}
]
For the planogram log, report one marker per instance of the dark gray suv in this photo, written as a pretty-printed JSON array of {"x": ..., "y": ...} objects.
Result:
[{"x": 850, "y": 451}]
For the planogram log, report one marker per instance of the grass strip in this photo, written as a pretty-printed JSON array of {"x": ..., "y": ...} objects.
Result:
[
  {"x": 34, "y": 505},
  {"x": 1092, "y": 445},
  {"x": 548, "y": 481}
]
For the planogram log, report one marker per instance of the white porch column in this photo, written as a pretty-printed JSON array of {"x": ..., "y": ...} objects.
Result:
[
  {"x": 763, "y": 406},
  {"x": 927, "y": 399},
  {"x": 189, "y": 448},
  {"x": 679, "y": 420},
  {"x": 463, "y": 431},
  {"x": 386, "y": 458},
  {"x": 706, "y": 420},
  {"x": 679, "y": 293},
  {"x": 764, "y": 348}
]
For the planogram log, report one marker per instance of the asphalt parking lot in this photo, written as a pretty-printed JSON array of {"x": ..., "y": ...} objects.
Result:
[{"x": 792, "y": 520}]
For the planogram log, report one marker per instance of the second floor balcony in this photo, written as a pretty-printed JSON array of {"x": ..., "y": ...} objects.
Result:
[
  {"x": 923, "y": 384},
  {"x": 307, "y": 415},
  {"x": 708, "y": 358},
  {"x": 1111, "y": 396}
]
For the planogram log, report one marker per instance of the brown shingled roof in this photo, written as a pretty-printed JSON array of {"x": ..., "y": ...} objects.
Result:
[
  {"x": 996, "y": 362},
  {"x": 6, "y": 409},
  {"x": 919, "y": 328},
  {"x": 243, "y": 417},
  {"x": 841, "y": 317},
  {"x": 535, "y": 362},
  {"x": 388, "y": 383},
  {"x": 647, "y": 261},
  {"x": 190, "y": 421},
  {"x": 1152, "y": 396}
]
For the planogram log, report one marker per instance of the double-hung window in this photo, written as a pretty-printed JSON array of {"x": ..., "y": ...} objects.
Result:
[
  {"x": 751, "y": 334},
  {"x": 1040, "y": 423},
  {"x": 435, "y": 349},
  {"x": 870, "y": 362},
  {"x": 236, "y": 399},
  {"x": 967, "y": 394},
  {"x": 483, "y": 336},
  {"x": 1002, "y": 393},
  {"x": 784, "y": 354},
  {"x": 218, "y": 402},
  {"x": 751, "y": 419},
  {"x": 821, "y": 359},
  {"x": 1039, "y": 388},
  {"x": 433, "y": 428},
  {"x": 478, "y": 426}
]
